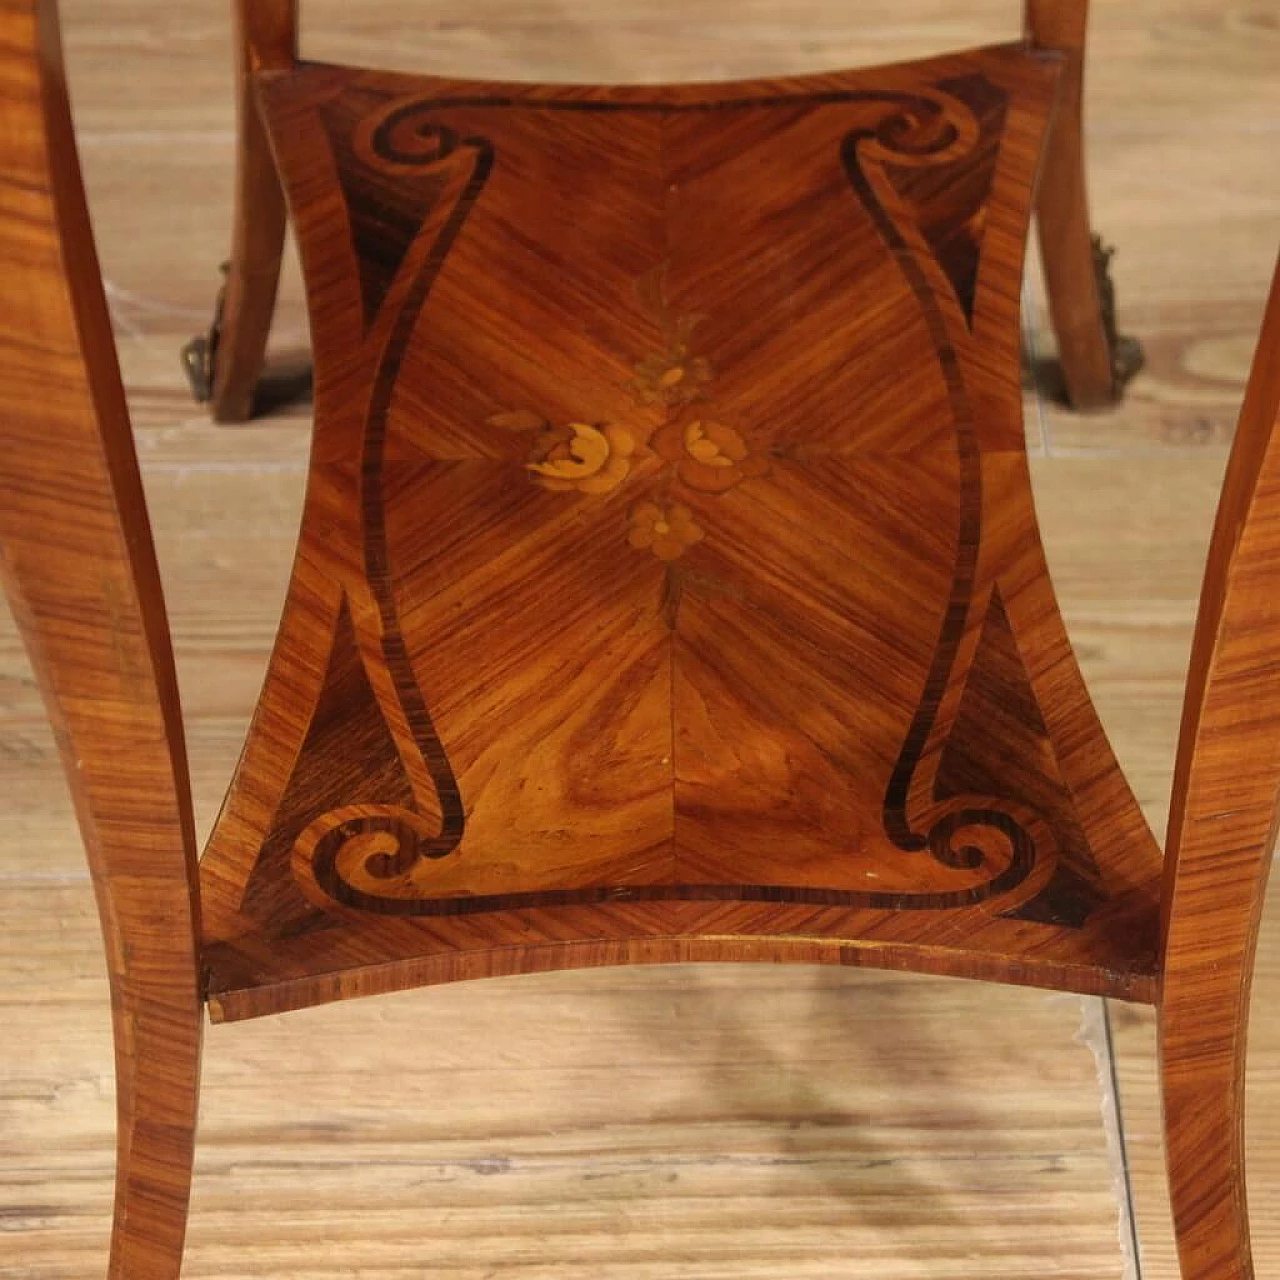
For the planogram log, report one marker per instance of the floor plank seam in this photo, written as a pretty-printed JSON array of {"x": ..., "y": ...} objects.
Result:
[
  {"x": 1029, "y": 312},
  {"x": 1113, "y": 1124}
]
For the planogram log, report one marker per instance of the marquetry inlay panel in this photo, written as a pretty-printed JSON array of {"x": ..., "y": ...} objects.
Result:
[{"x": 669, "y": 565}]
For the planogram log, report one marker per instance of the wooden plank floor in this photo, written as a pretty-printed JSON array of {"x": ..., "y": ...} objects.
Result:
[{"x": 690, "y": 1122}]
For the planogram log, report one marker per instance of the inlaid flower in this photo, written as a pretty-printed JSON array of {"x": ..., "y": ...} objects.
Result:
[
  {"x": 666, "y": 530},
  {"x": 672, "y": 376},
  {"x": 582, "y": 457},
  {"x": 708, "y": 455}
]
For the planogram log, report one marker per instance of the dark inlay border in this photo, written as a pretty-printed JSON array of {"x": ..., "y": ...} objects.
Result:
[{"x": 409, "y": 136}]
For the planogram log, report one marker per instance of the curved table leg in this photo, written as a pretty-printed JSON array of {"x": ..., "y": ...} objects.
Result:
[
  {"x": 1202, "y": 1043},
  {"x": 157, "y": 1090},
  {"x": 1096, "y": 362},
  {"x": 224, "y": 366}
]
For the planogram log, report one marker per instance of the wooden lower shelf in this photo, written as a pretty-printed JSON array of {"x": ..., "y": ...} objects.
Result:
[{"x": 669, "y": 585}]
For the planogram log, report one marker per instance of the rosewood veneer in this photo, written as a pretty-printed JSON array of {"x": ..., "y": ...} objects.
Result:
[{"x": 668, "y": 585}]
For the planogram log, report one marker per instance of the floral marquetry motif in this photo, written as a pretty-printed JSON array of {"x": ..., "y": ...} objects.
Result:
[
  {"x": 669, "y": 569},
  {"x": 706, "y": 457},
  {"x": 666, "y": 531},
  {"x": 582, "y": 458}
]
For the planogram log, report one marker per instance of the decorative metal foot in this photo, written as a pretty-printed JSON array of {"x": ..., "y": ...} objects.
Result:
[
  {"x": 199, "y": 354},
  {"x": 1127, "y": 356}
]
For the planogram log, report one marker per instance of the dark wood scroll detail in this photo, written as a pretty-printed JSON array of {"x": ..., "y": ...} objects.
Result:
[
  {"x": 998, "y": 730},
  {"x": 386, "y": 203},
  {"x": 949, "y": 203},
  {"x": 918, "y": 135},
  {"x": 349, "y": 750},
  {"x": 407, "y": 138},
  {"x": 340, "y": 887},
  {"x": 401, "y": 148}
]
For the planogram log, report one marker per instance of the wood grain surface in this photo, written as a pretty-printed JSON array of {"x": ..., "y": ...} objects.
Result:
[
  {"x": 79, "y": 568},
  {"x": 224, "y": 522},
  {"x": 266, "y": 35},
  {"x": 227, "y": 364},
  {"x": 1066, "y": 233},
  {"x": 570, "y": 510},
  {"x": 1222, "y": 832}
]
